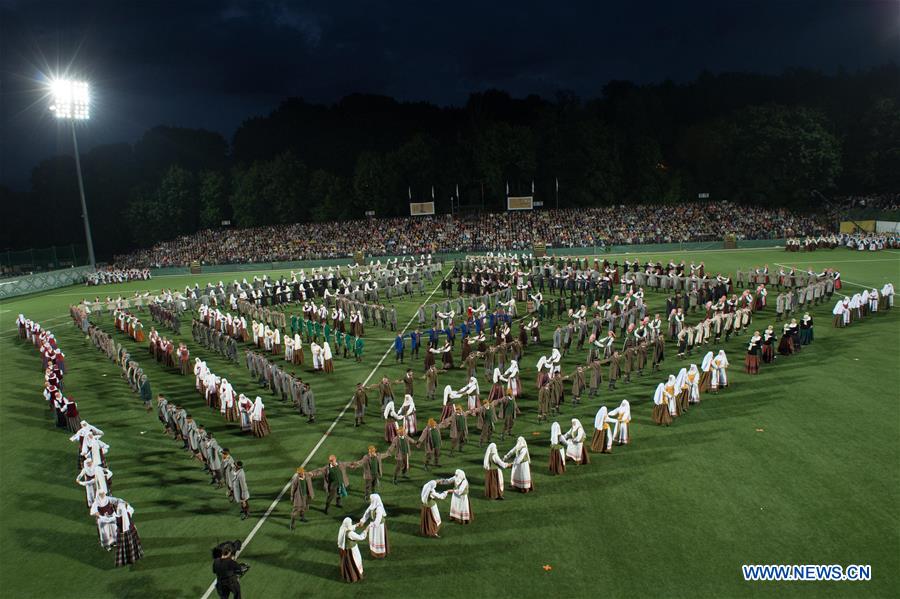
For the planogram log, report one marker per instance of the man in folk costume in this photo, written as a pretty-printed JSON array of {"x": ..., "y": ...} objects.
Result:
[
  {"x": 557, "y": 450},
  {"x": 430, "y": 516},
  {"x": 351, "y": 565},
  {"x": 400, "y": 450},
  {"x": 375, "y": 515},
  {"x": 360, "y": 401},
  {"x": 228, "y": 467},
  {"x": 372, "y": 469},
  {"x": 601, "y": 442},
  {"x": 520, "y": 460},
  {"x": 301, "y": 494},
  {"x": 239, "y": 489},
  {"x": 128, "y": 544},
  {"x": 430, "y": 439},
  {"x": 259, "y": 424},
  {"x": 493, "y": 473},
  {"x": 575, "y": 438},
  {"x": 459, "y": 428},
  {"x": 104, "y": 510},
  {"x": 622, "y": 415}
]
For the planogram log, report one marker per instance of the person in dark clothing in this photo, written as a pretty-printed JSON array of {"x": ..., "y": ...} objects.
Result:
[{"x": 227, "y": 573}]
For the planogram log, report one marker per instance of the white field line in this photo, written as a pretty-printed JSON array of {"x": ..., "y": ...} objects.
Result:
[{"x": 212, "y": 586}]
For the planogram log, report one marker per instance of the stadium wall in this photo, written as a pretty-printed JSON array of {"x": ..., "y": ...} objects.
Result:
[{"x": 42, "y": 281}]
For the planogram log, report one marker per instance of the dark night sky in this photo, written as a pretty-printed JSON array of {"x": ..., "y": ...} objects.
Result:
[{"x": 211, "y": 64}]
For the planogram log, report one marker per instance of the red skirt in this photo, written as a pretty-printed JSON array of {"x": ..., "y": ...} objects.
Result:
[{"x": 751, "y": 364}]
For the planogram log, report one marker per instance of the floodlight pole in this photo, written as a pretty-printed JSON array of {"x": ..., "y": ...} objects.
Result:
[{"x": 84, "y": 211}]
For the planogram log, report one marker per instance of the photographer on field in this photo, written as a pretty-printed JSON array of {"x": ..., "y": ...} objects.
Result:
[{"x": 228, "y": 571}]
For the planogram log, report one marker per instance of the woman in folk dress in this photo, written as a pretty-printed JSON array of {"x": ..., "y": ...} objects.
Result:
[
  {"x": 557, "y": 450},
  {"x": 128, "y": 543},
  {"x": 104, "y": 510},
  {"x": 493, "y": 473},
  {"x": 660, "y": 414},
  {"x": 259, "y": 424},
  {"x": 327, "y": 358},
  {"x": 390, "y": 421},
  {"x": 706, "y": 373},
  {"x": 93, "y": 479},
  {"x": 408, "y": 414},
  {"x": 601, "y": 442},
  {"x": 520, "y": 475},
  {"x": 351, "y": 559},
  {"x": 622, "y": 414},
  {"x": 575, "y": 449},
  {"x": 430, "y": 516},
  {"x": 377, "y": 530},
  {"x": 460, "y": 510}
]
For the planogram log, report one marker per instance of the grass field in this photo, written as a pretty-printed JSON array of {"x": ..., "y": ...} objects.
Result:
[{"x": 674, "y": 514}]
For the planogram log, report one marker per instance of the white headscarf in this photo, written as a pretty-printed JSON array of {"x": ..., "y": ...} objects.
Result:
[
  {"x": 258, "y": 407},
  {"x": 449, "y": 393},
  {"x": 659, "y": 393},
  {"x": 555, "y": 433},
  {"x": 521, "y": 444},
  {"x": 389, "y": 410},
  {"x": 376, "y": 507},
  {"x": 576, "y": 428},
  {"x": 723, "y": 359},
  {"x": 124, "y": 511},
  {"x": 427, "y": 490},
  {"x": 707, "y": 361},
  {"x": 623, "y": 412},
  {"x": 346, "y": 528},
  {"x": 458, "y": 477},
  {"x": 408, "y": 401},
  {"x": 600, "y": 418},
  {"x": 489, "y": 454}
]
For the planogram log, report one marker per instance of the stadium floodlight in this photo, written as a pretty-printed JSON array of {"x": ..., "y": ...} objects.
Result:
[{"x": 71, "y": 101}]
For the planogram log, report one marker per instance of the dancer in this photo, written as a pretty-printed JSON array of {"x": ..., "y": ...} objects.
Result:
[
  {"x": 557, "y": 450},
  {"x": 351, "y": 559},
  {"x": 430, "y": 516},
  {"x": 377, "y": 530},
  {"x": 460, "y": 511},
  {"x": 520, "y": 475},
  {"x": 493, "y": 473}
]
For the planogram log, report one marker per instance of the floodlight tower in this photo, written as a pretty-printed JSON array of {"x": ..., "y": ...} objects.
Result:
[{"x": 71, "y": 101}]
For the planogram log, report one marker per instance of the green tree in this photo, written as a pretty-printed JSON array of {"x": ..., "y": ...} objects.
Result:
[{"x": 214, "y": 206}]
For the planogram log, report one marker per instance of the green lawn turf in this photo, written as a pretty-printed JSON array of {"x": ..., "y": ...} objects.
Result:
[{"x": 673, "y": 514}]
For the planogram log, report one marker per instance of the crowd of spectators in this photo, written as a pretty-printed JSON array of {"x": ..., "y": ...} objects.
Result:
[{"x": 583, "y": 227}]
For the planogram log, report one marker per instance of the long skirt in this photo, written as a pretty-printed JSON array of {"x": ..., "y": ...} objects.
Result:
[
  {"x": 557, "y": 461},
  {"x": 390, "y": 430},
  {"x": 378, "y": 541},
  {"x": 493, "y": 484},
  {"x": 329, "y": 366},
  {"x": 429, "y": 360},
  {"x": 684, "y": 400},
  {"x": 447, "y": 411},
  {"x": 429, "y": 521},
  {"x": 128, "y": 547},
  {"x": 298, "y": 356},
  {"x": 520, "y": 477},
  {"x": 460, "y": 511},
  {"x": 768, "y": 353},
  {"x": 600, "y": 442},
  {"x": 751, "y": 364},
  {"x": 351, "y": 565},
  {"x": 661, "y": 415},
  {"x": 705, "y": 381},
  {"x": 260, "y": 427},
  {"x": 496, "y": 392},
  {"x": 786, "y": 346}
]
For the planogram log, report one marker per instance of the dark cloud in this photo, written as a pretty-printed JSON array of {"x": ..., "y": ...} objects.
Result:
[{"x": 212, "y": 63}]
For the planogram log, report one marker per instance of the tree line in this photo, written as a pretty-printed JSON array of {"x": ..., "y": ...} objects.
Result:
[{"x": 773, "y": 140}]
